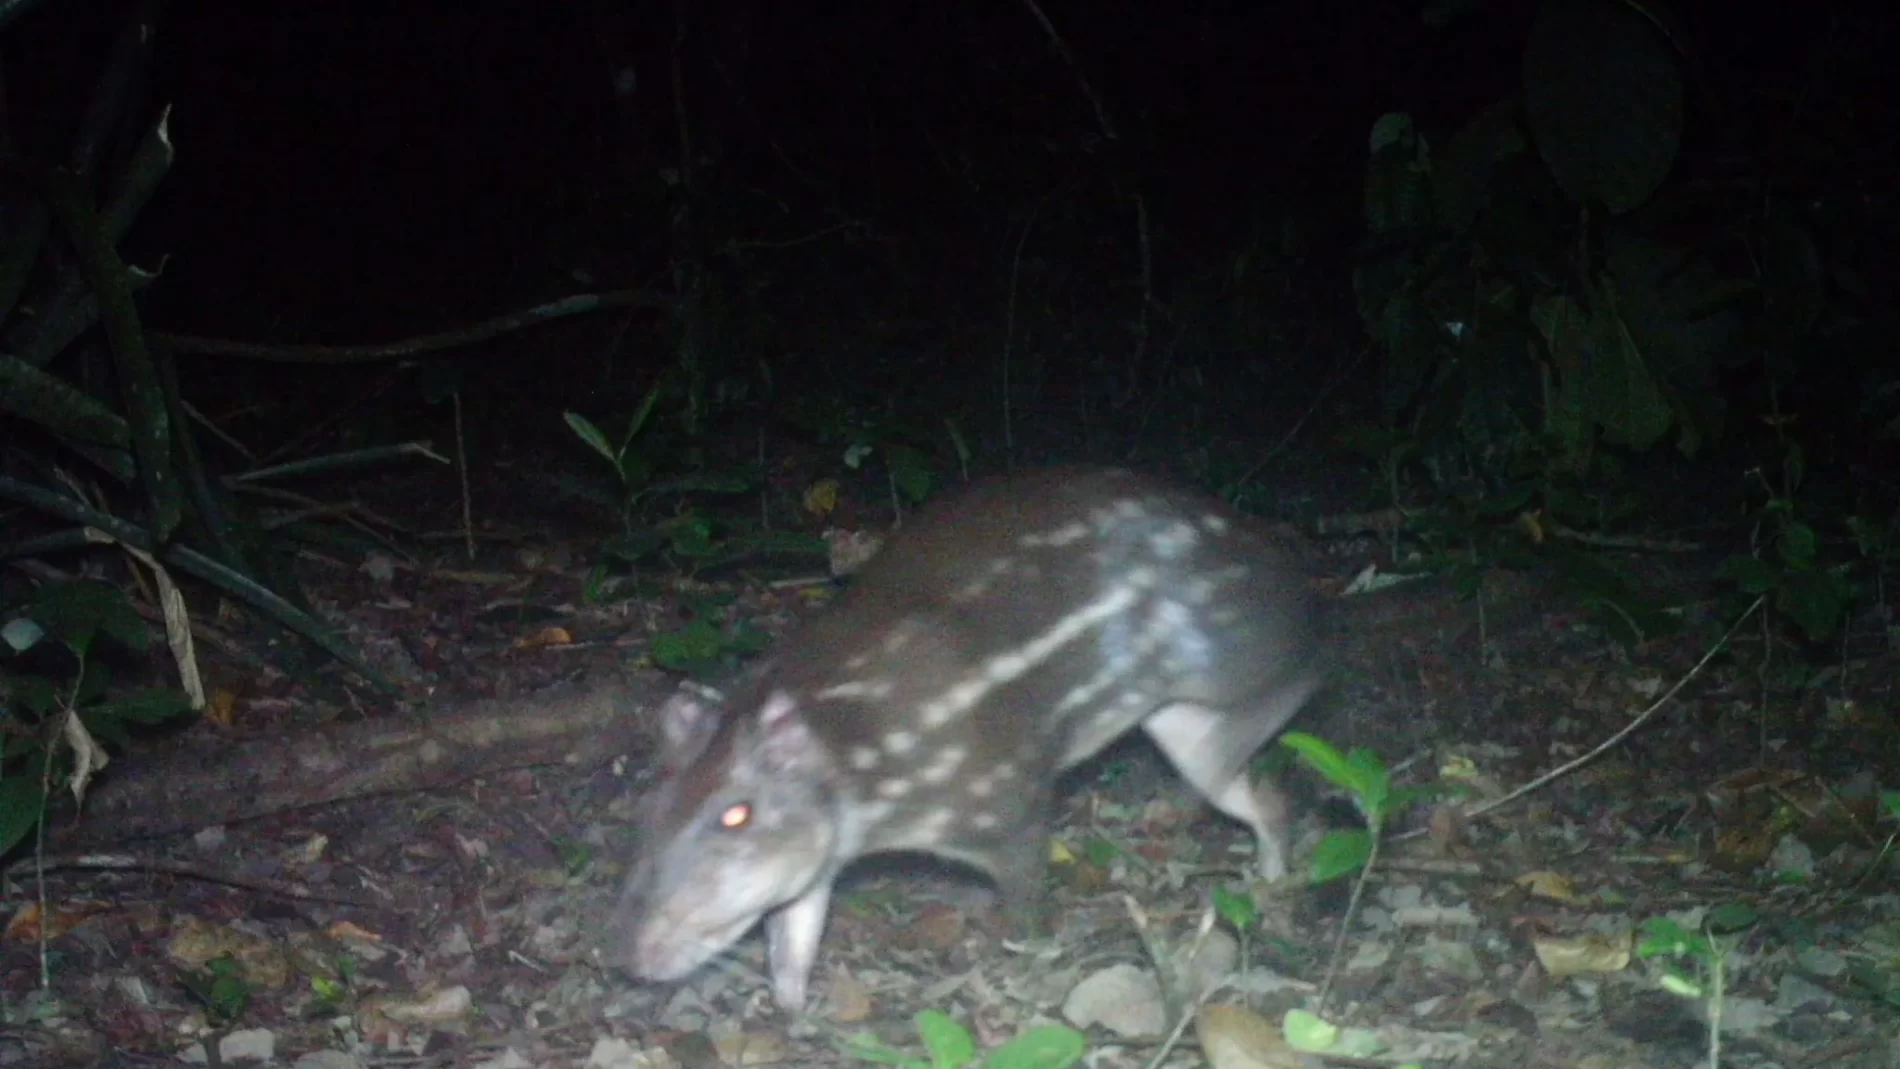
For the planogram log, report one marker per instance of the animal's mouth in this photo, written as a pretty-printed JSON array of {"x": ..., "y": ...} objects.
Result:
[{"x": 667, "y": 948}]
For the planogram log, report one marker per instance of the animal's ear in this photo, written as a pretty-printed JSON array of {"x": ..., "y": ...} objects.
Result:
[
  {"x": 786, "y": 741},
  {"x": 687, "y": 721}
]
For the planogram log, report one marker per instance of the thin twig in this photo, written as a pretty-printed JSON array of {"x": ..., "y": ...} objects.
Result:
[
  {"x": 1598, "y": 750},
  {"x": 579, "y": 304}
]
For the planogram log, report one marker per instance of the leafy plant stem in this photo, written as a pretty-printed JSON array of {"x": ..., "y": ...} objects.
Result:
[
  {"x": 1337, "y": 958},
  {"x": 68, "y": 708},
  {"x": 1718, "y": 976},
  {"x": 1190, "y": 1006}
]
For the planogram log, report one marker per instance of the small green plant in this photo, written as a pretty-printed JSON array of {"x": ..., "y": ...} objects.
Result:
[
  {"x": 1786, "y": 567},
  {"x": 1363, "y": 776},
  {"x": 57, "y": 705},
  {"x": 902, "y": 445},
  {"x": 334, "y": 993},
  {"x": 1705, "y": 954},
  {"x": 634, "y": 467},
  {"x": 706, "y": 646},
  {"x": 636, "y": 462},
  {"x": 575, "y": 855},
  {"x": 949, "y": 1045},
  {"x": 221, "y": 988}
]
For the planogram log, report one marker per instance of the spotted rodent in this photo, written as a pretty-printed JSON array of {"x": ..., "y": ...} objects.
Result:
[{"x": 998, "y": 639}]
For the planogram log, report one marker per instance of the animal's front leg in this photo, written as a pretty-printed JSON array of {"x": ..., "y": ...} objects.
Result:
[{"x": 792, "y": 937}]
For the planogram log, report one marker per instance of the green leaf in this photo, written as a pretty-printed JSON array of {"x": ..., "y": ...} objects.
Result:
[
  {"x": 704, "y": 482},
  {"x": 1309, "y": 1032},
  {"x": 1100, "y": 852},
  {"x": 1321, "y": 756},
  {"x": 1238, "y": 910},
  {"x": 33, "y": 395},
  {"x": 77, "y": 612},
  {"x": 1341, "y": 853},
  {"x": 694, "y": 648},
  {"x": 1732, "y": 917},
  {"x": 1816, "y": 600},
  {"x": 153, "y": 705},
  {"x": 1677, "y": 983},
  {"x": 635, "y": 546},
  {"x": 1663, "y": 937},
  {"x": 1795, "y": 468},
  {"x": 1048, "y": 1047},
  {"x": 1798, "y": 544},
  {"x": 1623, "y": 397},
  {"x": 584, "y": 429},
  {"x": 37, "y": 695},
  {"x": 909, "y": 472},
  {"x": 950, "y": 1044},
  {"x": 640, "y": 417},
  {"x": 691, "y": 536},
  {"x": 1371, "y": 783},
  {"x": 22, "y": 804},
  {"x": 747, "y": 638},
  {"x": 1750, "y": 573},
  {"x": 1869, "y": 537},
  {"x": 785, "y": 543}
]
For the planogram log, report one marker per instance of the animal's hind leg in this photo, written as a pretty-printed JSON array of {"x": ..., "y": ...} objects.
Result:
[{"x": 1200, "y": 742}]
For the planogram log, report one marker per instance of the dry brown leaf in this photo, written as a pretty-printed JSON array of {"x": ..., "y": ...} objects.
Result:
[
  {"x": 1236, "y": 1038},
  {"x": 1582, "y": 954}
]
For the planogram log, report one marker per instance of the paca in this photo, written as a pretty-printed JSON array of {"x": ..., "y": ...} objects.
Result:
[{"x": 1005, "y": 635}]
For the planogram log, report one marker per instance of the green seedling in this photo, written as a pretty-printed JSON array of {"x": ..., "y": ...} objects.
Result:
[
  {"x": 1238, "y": 910},
  {"x": 1694, "y": 963},
  {"x": 575, "y": 855},
  {"x": 705, "y": 647},
  {"x": 949, "y": 1045},
  {"x": 221, "y": 988},
  {"x": 1787, "y": 568},
  {"x": 334, "y": 993},
  {"x": 638, "y": 469},
  {"x": 58, "y": 709},
  {"x": 634, "y": 468},
  {"x": 1363, "y": 776}
]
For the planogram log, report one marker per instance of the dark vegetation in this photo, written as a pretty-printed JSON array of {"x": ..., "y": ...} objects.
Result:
[{"x": 1558, "y": 287}]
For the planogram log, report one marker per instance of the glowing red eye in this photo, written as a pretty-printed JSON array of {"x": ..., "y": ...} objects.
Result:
[{"x": 736, "y": 816}]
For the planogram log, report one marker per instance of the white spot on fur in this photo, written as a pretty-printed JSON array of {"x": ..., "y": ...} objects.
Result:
[
  {"x": 870, "y": 690},
  {"x": 864, "y": 758},
  {"x": 944, "y": 765},
  {"x": 1215, "y": 523},
  {"x": 1174, "y": 540},
  {"x": 899, "y": 743},
  {"x": 898, "y": 638},
  {"x": 893, "y": 788},
  {"x": 976, "y": 588},
  {"x": 985, "y": 821},
  {"x": 1068, "y": 534}
]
